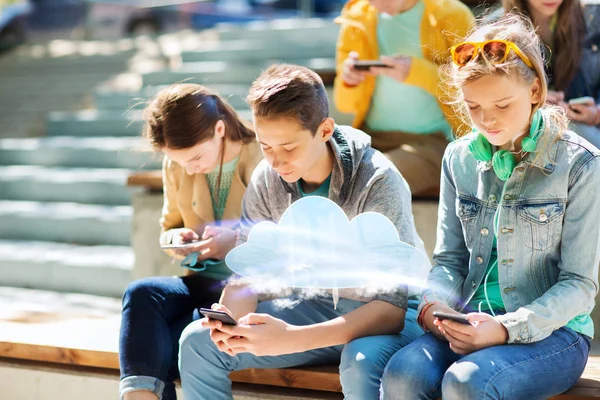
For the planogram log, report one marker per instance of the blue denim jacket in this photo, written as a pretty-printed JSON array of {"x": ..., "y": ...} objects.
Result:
[{"x": 548, "y": 240}]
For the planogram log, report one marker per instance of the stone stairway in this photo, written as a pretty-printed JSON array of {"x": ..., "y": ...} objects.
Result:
[
  {"x": 65, "y": 213},
  {"x": 65, "y": 208}
]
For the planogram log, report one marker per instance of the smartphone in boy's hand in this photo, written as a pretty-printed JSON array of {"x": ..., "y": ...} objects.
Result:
[{"x": 218, "y": 316}]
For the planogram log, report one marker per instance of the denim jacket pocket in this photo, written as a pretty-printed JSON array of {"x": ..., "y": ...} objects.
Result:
[
  {"x": 467, "y": 211},
  {"x": 541, "y": 224}
]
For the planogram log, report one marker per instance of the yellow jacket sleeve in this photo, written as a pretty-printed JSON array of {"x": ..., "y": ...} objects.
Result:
[
  {"x": 170, "y": 217},
  {"x": 348, "y": 98},
  {"x": 426, "y": 74}
]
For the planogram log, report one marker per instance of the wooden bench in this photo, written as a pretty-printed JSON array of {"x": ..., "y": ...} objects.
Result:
[{"x": 81, "y": 332}]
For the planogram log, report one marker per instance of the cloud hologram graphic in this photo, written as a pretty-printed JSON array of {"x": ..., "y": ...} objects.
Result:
[{"x": 316, "y": 246}]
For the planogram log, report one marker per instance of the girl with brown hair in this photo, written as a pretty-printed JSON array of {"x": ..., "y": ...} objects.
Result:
[
  {"x": 571, "y": 34},
  {"x": 210, "y": 155}
]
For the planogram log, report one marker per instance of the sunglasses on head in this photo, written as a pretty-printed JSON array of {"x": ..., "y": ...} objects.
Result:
[{"x": 495, "y": 51}]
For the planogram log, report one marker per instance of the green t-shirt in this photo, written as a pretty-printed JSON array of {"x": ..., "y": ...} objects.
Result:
[
  {"x": 218, "y": 269},
  {"x": 227, "y": 174},
  {"x": 322, "y": 190},
  {"x": 397, "y": 106},
  {"x": 494, "y": 297}
]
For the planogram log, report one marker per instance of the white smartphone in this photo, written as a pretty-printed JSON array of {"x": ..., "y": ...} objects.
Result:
[
  {"x": 582, "y": 100},
  {"x": 184, "y": 245}
]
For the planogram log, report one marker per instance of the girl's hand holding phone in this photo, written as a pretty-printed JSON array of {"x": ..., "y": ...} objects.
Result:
[
  {"x": 216, "y": 242},
  {"x": 429, "y": 319},
  {"x": 484, "y": 331}
]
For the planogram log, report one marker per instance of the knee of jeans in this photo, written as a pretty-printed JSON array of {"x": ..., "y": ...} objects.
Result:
[
  {"x": 355, "y": 360},
  {"x": 138, "y": 291},
  {"x": 195, "y": 345},
  {"x": 398, "y": 379},
  {"x": 461, "y": 381}
]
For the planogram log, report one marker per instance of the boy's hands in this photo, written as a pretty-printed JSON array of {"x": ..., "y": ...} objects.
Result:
[
  {"x": 350, "y": 75},
  {"x": 258, "y": 334},
  {"x": 399, "y": 67},
  {"x": 218, "y": 337},
  {"x": 484, "y": 331},
  {"x": 261, "y": 335}
]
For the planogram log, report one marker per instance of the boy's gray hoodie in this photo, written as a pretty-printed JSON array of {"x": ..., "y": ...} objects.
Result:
[{"x": 362, "y": 180}]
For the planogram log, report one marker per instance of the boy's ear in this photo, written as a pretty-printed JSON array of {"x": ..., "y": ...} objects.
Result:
[
  {"x": 326, "y": 129},
  {"x": 536, "y": 92}
]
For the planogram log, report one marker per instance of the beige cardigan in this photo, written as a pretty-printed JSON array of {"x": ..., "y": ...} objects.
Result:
[{"x": 187, "y": 200}]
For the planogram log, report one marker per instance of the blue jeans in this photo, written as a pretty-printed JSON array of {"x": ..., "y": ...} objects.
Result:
[
  {"x": 205, "y": 370},
  {"x": 155, "y": 312},
  {"x": 428, "y": 369}
]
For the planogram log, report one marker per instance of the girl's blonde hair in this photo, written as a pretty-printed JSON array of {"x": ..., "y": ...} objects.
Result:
[{"x": 519, "y": 30}]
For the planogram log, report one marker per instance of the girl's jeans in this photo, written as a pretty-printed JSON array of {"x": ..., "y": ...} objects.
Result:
[
  {"x": 428, "y": 369},
  {"x": 155, "y": 312}
]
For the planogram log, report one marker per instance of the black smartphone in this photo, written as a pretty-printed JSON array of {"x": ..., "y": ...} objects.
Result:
[
  {"x": 364, "y": 65},
  {"x": 218, "y": 316},
  {"x": 461, "y": 318}
]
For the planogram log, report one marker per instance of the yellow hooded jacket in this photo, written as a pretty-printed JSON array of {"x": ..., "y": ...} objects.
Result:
[{"x": 444, "y": 23}]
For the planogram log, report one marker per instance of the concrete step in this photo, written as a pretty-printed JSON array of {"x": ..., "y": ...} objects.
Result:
[
  {"x": 98, "y": 123},
  {"x": 79, "y": 185},
  {"x": 292, "y": 31},
  {"x": 100, "y": 270},
  {"x": 247, "y": 51},
  {"x": 107, "y": 99},
  {"x": 65, "y": 222},
  {"x": 90, "y": 152},
  {"x": 213, "y": 72},
  {"x": 94, "y": 123}
]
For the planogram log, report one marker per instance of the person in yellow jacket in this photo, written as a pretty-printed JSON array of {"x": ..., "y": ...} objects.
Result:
[
  {"x": 402, "y": 106},
  {"x": 209, "y": 157}
]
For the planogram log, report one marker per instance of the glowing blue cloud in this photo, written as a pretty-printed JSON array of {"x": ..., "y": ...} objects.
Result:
[{"x": 315, "y": 246}]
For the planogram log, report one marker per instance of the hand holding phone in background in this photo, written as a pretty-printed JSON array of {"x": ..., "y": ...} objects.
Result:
[
  {"x": 397, "y": 68},
  {"x": 353, "y": 76},
  {"x": 584, "y": 110}
]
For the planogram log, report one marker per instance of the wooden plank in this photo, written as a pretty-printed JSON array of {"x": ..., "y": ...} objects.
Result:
[
  {"x": 81, "y": 331},
  {"x": 151, "y": 180},
  {"x": 325, "y": 378}
]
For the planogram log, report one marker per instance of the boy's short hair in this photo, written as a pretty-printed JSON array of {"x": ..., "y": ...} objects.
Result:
[{"x": 290, "y": 91}]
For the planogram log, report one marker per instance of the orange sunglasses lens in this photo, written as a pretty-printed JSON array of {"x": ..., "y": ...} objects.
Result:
[
  {"x": 464, "y": 53},
  {"x": 495, "y": 51}
]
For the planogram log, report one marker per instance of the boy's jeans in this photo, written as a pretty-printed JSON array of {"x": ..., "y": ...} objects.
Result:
[
  {"x": 428, "y": 369},
  {"x": 205, "y": 370}
]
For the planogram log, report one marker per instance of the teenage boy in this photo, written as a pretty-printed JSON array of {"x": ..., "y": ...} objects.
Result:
[
  {"x": 401, "y": 106},
  {"x": 306, "y": 154}
]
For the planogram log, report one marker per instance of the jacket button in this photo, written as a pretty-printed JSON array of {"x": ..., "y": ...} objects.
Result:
[
  {"x": 492, "y": 197},
  {"x": 479, "y": 260},
  {"x": 485, "y": 232},
  {"x": 543, "y": 217}
]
